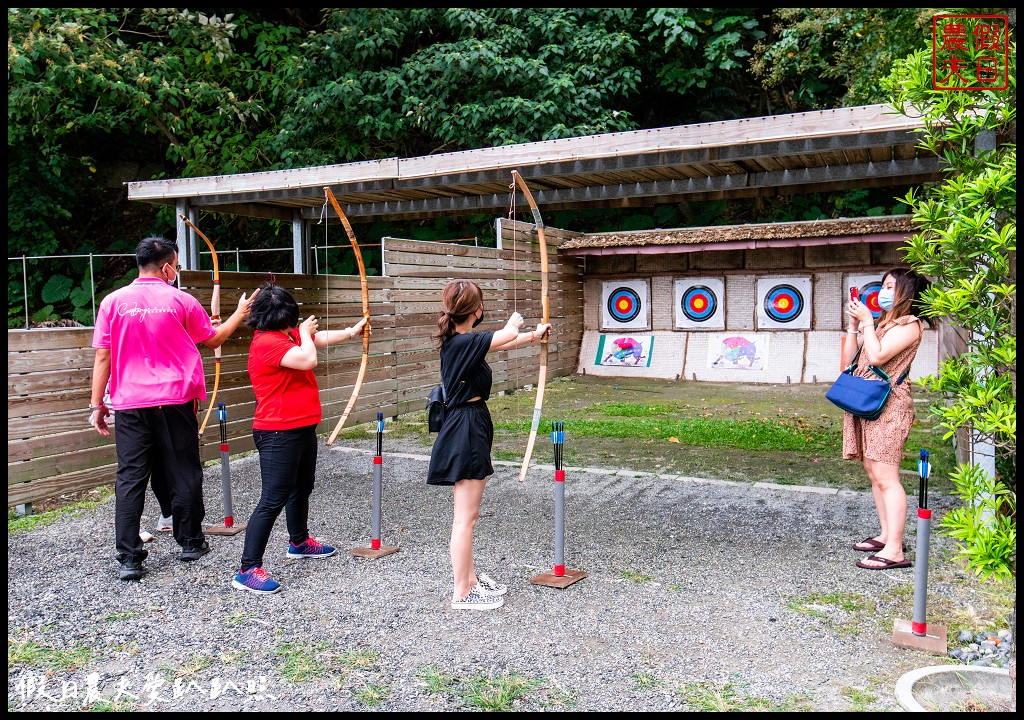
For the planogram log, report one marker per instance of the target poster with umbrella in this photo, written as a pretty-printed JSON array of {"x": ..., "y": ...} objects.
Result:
[
  {"x": 625, "y": 350},
  {"x": 625, "y": 305},
  {"x": 737, "y": 351}
]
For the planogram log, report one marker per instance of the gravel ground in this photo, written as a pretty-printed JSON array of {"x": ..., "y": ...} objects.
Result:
[{"x": 695, "y": 590}]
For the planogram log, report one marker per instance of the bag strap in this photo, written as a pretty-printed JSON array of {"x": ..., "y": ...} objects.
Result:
[{"x": 877, "y": 370}]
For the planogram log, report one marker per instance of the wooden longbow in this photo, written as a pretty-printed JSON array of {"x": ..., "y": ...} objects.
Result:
[
  {"x": 215, "y": 315},
  {"x": 366, "y": 314},
  {"x": 542, "y": 374}
]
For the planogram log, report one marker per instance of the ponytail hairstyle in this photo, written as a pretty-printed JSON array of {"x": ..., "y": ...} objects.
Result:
[
  {"x": 908, "y": 296},
  {"x": 459, "y": 300}
]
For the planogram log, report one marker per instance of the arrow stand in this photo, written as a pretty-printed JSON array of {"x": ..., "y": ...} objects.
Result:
[
  {"x": 229, "y": 527},
  {"x": 560, "y": 576},
  {"x": 916, "y": 634},
  {"x": 376, "y": 550}
]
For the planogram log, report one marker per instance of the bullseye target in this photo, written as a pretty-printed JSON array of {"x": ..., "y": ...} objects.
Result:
[
  {"x": 626, "y": 305},
  {"x": 783, "y": 303},
  {"x": 699, "y": 303},
  {"x": 868, "y": 287}
]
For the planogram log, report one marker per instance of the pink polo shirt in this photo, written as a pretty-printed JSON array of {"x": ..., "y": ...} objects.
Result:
[{"x": 152, "y": 330}]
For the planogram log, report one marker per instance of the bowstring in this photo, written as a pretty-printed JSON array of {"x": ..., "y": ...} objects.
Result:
[
  {"x": 327, "y": 285},
  {"x": 517, "y": 374}
]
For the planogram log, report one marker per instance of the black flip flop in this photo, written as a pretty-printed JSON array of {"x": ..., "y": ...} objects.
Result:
[
  {"x": 874, "y": 545},
  {"x": 888, "y": 564}
]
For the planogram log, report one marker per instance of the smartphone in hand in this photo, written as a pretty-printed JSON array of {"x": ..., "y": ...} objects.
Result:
[{"x": 854, "y": 292}]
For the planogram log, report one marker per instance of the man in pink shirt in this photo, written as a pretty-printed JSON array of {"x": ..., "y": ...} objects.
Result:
[{"x": 145, "y": 339}]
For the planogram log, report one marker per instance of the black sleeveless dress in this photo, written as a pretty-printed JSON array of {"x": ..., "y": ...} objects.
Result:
[{"x": 462, "y": 450}]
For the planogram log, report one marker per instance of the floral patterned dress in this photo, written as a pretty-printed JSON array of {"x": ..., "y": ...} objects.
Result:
[{"x": 882, "y": 440}]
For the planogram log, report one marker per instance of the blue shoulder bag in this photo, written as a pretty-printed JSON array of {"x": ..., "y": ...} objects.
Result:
[{"x": 860, "y": 396}]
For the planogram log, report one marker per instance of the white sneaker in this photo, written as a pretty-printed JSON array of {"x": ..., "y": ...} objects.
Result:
[
  {"x": 476, "y": 600},
  {"x": 145, "y": 536},
  {"x": 489, "y": 586}
]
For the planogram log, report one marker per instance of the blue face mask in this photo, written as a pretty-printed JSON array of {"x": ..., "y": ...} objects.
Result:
[{"x": 886, "y": 298}]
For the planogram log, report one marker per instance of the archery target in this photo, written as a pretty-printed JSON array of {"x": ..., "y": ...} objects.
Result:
[
  {"x": 699, "y": 303},
  {"x": 868, "y": 285},
  {"x": 626, "y": 305},
  {"x": 784, "y": 303}
]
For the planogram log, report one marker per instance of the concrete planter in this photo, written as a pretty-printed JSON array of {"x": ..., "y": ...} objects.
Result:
[{"x": 956, "y": 688}]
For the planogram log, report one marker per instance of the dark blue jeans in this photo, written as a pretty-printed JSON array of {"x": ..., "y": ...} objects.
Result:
[
  {"x": 287, "y": 468},
  {"x": 162, "y": 444}
]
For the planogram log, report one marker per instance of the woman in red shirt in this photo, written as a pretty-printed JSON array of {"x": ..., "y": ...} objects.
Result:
[{"x": 282, "y": 356}]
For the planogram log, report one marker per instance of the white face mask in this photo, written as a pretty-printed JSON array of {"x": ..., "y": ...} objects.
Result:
[{"x": 886, "y": 298}]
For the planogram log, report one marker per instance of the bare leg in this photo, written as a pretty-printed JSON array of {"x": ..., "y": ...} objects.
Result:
[
  {"x": 876, "y": 493},
  {"x": 892, "y": 510},
  {"x": 467, "y": 495}
]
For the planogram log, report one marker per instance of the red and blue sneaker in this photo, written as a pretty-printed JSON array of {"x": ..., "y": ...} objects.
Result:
[
  {"x": 256, "y": 580},
  {"x": 310, "y": 548}
]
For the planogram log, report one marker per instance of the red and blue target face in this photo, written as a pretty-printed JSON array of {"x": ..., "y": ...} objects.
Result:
[
  {"x": 783, "y": 303},
  {"x": 869, "y": 296},
  {"x": 699, "y": 303},
  {"x": 624, "y": 304}
]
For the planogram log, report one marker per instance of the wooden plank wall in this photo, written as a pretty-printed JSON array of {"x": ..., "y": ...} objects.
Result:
[
  {"x": 510, "y": 279},
  {"x": 51, "y": 449}
]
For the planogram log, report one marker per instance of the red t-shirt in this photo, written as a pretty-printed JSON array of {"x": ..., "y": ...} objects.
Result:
[{"x": 285, "y": 398}]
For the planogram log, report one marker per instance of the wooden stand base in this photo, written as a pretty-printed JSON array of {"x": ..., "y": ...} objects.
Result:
[
  {"x": 934, "y": 641},
  {"x": 372, "y": 553},
  {"x": 549, "y": 579},
  {"x": 222, "y": 530}
]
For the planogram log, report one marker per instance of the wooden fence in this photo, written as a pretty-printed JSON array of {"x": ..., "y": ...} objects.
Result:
[{"x": 51, "y": 449}]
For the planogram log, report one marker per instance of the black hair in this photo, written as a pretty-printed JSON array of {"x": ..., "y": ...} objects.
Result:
[
  {"x": 154, "y": 251},
  {"x": 273, "y": 308}
]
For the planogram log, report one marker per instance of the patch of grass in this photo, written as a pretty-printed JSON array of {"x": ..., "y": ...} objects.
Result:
[
  {"x": 238, "y": 617},
  {"x": 620, "y": 409},
  {"x": 840, "y": 611},
  {"x": 558, "y": 698},
  {"x": 708, "y": 697},
  {"x": 498, "y": 693},
  {"x": 302, "y": 662},
  {"x": 436, "y": 681},
  {"x": 634, "y": 576},
  {"x": 753, "y": 434},
  {"x": 487, "y": 693},
  {"x": 373, "y": 695},
  {"x": 859, "y": 699},
  {"x": 125, "y": 615},
  {"x": 645, "y": 681},
  {"x": 31, "y": 654},
  {"x": 358, "y": 659},
  {"x": 191, "y": 667},
  {"x": 19, "y": 525},
  {"x": 105, "y": 705}
]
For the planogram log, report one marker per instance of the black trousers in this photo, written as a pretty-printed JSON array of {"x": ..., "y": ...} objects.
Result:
[
  {"x": 164, "y": 441},
  {"x": 287, "y": 469}
]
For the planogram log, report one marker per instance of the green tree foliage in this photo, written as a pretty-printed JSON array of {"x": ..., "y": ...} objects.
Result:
[
  {"x": 968, "y": 244},
  {"x": 101, "y": 96},
  {"x": 400, "y": 81},
  {"x": 814, "y": 56}
]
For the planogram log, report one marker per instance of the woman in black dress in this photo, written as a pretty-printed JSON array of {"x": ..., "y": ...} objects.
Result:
[{"x": 461, "y": 457}]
